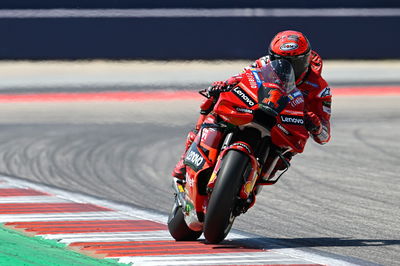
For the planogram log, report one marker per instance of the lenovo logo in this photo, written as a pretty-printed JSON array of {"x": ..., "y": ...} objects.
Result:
[
  {"x": 289, "y": 119},
  {"x": 243, "y": 96}
]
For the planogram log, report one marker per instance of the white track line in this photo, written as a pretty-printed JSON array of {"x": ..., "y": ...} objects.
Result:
[
  {"x": 226, "y": 260},
  {"x": 62, "y": 217},
  {"x": 32, "y": 199},
  {"x": 198, "y": 12}
]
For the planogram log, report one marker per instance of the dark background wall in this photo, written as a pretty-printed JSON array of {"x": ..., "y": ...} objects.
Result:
[
  {"x": 195, "y": 3},
  {"x": 358, "y": 37}
]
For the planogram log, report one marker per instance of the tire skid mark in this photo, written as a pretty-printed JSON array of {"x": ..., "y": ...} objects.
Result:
[{"x": 358, "y": 134}]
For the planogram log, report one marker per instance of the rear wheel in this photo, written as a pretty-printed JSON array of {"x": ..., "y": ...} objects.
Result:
[
  {"x": 178, "y": 228},
  {"x": 219, "y": 217}
]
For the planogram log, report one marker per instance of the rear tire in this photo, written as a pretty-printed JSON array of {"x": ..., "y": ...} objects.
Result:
[
  {"x": 178, "y": 228},
  {"x": 219, "y": 217}
]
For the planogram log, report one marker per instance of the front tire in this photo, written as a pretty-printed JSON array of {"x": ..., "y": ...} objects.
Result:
[
  {"x": 219, "y": 217},
  {"x": 178, "y": 228}
]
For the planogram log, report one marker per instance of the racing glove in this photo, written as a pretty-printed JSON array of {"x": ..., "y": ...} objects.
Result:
[
  {"x": 221, "y": 86},
  {"x": 313, "y": 123},
  {"x": 214, "y": 90}
]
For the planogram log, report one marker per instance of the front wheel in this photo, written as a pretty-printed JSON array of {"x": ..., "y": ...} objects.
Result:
[
  {"x": 178, "y": 228},
  {"x": 219, "y": 217}
]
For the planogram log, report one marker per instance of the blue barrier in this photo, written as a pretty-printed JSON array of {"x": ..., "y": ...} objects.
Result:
[
  {"x": 37, "y": 4},
  {"x": 193, "y": 37}
]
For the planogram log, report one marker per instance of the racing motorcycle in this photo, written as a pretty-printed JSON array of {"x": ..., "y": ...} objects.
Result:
[{"x": 253, "y": 126}]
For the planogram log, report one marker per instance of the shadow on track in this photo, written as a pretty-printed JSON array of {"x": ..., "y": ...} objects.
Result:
[
  {"x": 308, "y": 245},
  {"x": 276, "y": 243}
]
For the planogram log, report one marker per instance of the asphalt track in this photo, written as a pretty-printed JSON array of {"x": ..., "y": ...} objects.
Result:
[{"x": 342, "y": 198}]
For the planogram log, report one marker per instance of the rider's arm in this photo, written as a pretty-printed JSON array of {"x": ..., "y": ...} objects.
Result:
[{"x": 320, "y": 104}]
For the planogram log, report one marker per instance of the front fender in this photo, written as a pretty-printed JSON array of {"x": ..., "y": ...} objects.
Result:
[{"x": 249, "y": 180}]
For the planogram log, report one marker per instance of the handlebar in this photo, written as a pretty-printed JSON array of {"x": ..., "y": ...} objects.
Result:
[{"x": 208, "y": 93}]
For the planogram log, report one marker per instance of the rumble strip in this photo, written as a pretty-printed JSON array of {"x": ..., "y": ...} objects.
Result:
[{"x": 130, "y": 235}]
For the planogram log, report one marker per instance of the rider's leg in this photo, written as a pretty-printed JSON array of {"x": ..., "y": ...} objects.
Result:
[
  {"x": 205, "y": 108},
  {"x": 180, "y": 169}
]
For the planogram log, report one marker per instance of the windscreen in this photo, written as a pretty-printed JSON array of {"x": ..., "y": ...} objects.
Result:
[{"x": 279, "y": 72}]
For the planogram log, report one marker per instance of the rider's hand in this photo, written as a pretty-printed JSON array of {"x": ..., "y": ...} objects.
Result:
[
  {"x": 313, "y": 123},
  {"x": 221, "y": 86},
  {"x": 217, "y": 87}
]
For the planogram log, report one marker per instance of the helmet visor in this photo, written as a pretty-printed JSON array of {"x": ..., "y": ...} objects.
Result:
[{"x": 300, "y": 63}]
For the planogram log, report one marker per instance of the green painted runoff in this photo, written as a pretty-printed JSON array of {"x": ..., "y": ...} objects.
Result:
[{"x": 17, "y": 249}]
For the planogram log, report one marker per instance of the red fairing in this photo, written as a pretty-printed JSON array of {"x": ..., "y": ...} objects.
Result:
[{"x": 237, "y": 106}]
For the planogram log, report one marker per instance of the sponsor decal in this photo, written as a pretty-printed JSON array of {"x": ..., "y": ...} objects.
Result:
[
  {"x": 243, "y": 145},
  {"x": 289, "y": 46},
  {"x": 312, "y": 84},
  {"x": 324, "y": 135},
  {"x": 283, "y": 129},
  {"x": 244, "y": 110},
  {"x": 325, "y": 92},
  {"x": 296, "y": 101},
  {"x": 327, "y": 103},
  {"x": 295, "y": 95},
  {"x": 271, "y": 85},
  {"x": 189, "y": 180},
  {"x": 258, "y": 80},
  {"x": 293, "y": 38},
  {"x": 292, "y": 112},
  {"x": 291, "y": 119},
  {"x": 243, "y": 96},
  {"x": 194, "y": 159},
  {"x": 204, "y": 134},
  {"x": 326, "y": 109},
  {"x": 252, "y": 81}
]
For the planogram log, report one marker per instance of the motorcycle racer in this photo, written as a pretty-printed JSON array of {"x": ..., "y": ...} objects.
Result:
[{"x": 307, "y": 65}]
